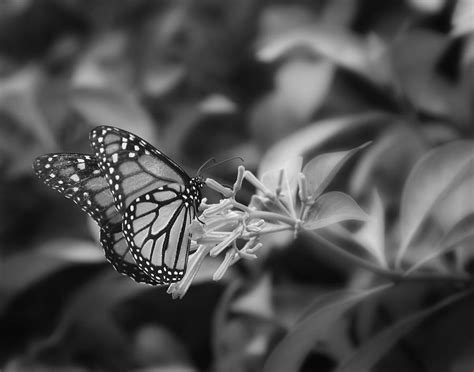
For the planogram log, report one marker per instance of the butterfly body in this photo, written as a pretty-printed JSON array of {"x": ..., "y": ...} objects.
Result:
[{"x": 142, "y": 200}]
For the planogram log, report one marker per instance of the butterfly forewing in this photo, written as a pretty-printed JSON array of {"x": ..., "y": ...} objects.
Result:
[
  {"x": 78, "y": 177},
  {"x": 131, "y": 165}
]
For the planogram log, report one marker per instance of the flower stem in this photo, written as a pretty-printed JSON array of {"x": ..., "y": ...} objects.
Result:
[{"x": 392, "y": 275}]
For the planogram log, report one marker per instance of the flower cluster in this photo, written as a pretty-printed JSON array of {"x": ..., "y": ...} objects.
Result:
[{"x": 285, "y": 200}]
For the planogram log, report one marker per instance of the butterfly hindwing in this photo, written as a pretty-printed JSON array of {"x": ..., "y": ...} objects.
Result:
[
  {"x": 78, "y": 177},
  {"x": 156, "y": 228},
  {"x": 117, "y": 252}
]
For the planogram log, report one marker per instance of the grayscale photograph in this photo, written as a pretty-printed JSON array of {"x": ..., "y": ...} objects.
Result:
[{"x": 237, "y": 186}]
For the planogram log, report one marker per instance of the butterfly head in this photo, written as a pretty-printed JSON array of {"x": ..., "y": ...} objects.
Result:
[{"x": 196, "y": 184}]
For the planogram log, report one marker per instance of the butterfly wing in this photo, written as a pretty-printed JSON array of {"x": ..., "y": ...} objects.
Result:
[
  {"x": 153, "y": 193},
  {"x": 117, "y": 252},
  {"x": 131, "y": 165},
  {"x": 156, "y": 228},
  {"x": 78, "y": 177}
]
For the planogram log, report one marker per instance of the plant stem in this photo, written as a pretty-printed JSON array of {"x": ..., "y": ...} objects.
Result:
[{"x": 392, "y": 275}]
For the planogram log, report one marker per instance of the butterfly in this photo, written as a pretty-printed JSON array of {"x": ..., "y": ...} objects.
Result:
[{"x": 142, "y": 200}]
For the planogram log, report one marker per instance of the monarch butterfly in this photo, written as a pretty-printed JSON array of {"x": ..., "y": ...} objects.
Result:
[{"x": 142, "y": 200}]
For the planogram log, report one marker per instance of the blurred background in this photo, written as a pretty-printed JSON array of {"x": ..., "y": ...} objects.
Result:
[{"x": 214, "y": 78}]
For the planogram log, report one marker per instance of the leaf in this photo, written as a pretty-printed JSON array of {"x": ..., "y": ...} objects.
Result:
[
  {"x": 108, "y": 107},
  {"x": 88, "y": 315},
  {"x": 291, "y": 351},
  {"x": 302, "y": 86},
  {"x": 45, "y": 260},
  {"x": 315, "y": 135},
  {"x": 416, "y": 56},
  {"x": 217, "y": 104},
  {"x": 428, "y": 6},
  {"x": 463, "y": 18},
  {"x": 371, "y": 235},
  {"x": 331, "y": 208},
  {"x": 376, "y": 347},
  {"x": 73, "y": 250},
  {"x": 338, "y": 45},
  {"x": 461, "y": 232},
  {"x": 257, "y": 301},
  {"x": 321, "y": 170},
  {"x": 393, "y": 155},
  {"x": 18, "y": 97},
  {"x": 436, "y": 173},
  {"x": 457, "y": 204}
]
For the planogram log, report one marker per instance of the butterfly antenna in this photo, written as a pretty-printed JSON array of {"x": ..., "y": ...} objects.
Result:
[{"x": 206, "y": 167}]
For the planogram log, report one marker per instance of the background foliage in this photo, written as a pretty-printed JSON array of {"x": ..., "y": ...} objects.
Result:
[{"x": 263, "y": 80}]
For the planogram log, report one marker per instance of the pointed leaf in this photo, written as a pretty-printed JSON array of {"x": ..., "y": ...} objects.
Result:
[
  {"x": 315, "y": 135},
  {"x": 109, "y": 107},
  {"x": 372, "y": 234},
  {"x": 331, "y": 208},
  {"x": 375, "y": 348},
  {"x": 457, "y": 204},
  {"x": 361, "y": 55},
  {"x": 321, "y": 170},
  {"x": 461, "y": 232},
  {"x": 21, "y": 270},
  {"x": 291, "y": 351},
  {"x": 436, "y": 173},
  {"x": 256, "y": 301},
  {"x": 463, "y": 18}
]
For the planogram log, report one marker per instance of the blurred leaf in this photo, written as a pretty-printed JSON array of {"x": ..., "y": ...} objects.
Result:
[
  {"x": 462, "y": 231},
  {"x": 87, "y": 323},
  {"x": 73, "y": 250},
  {"x": 256, "y": 301},
  {"x": 468, "y": 58},
  {"x": 103, "y": 65},
  {"x": 346, "y": 49},
  {"x": 432, "y": 177},
  {"x": 18, "y": 97},
  {"x": 21, "y": 270},
  {"x": 280, "y": 19},
  {"x": 416, "y": 56},
  {"x": 321, "y": 170},
  {"x": 108, "y": 107},
  {"x": 301, "y": 86},
  {"x": 157, "y": 349},
  {"x": 375, "y": 348},
  {"x": 463, "y": 17},
  {"x": 315, "y": 135},
  {"x": 290, "y": 352},
  {"x": 371, "y": 235},
  {"x": 456, "y": 204},
  {"x": 428, "y": 6},
  {"x": 159, "y": 80},
  {"x": 217, "y": 104},
  {"x": 330, "y": 208},
  {"x": 386, "y": 162}
]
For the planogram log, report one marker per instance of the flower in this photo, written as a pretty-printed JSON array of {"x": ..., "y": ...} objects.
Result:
[{"x": 285, "y": 200}]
